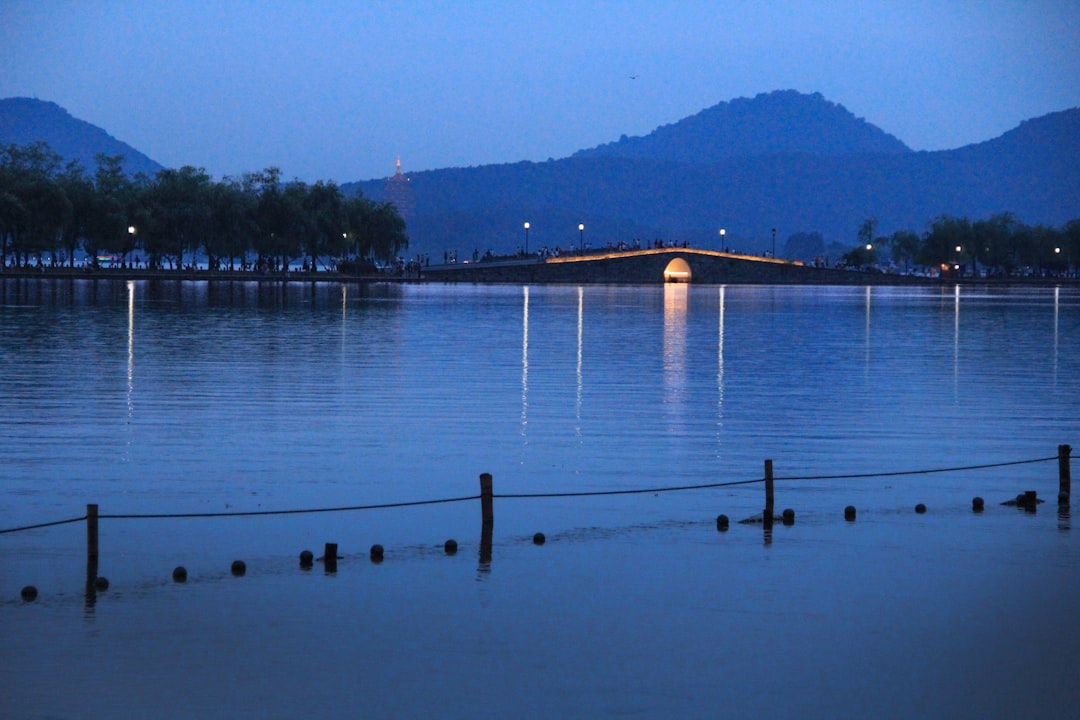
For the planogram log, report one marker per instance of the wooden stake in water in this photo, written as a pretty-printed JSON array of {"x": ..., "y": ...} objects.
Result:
[
  {"x": 488, "y": 521},
  {"x": 768, "y": 491},
  {"x": 92, "y": 531},
  {"x": 486, "y": 495},
  {"x": 1064, "y": 472},
  {"x": 330, "y": 558},
  {"x": 91, "y": 554}
]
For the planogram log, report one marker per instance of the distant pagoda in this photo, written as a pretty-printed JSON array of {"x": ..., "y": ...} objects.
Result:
[{"x": 399, "y": 192}]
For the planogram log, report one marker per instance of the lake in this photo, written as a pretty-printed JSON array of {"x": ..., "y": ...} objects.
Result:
[{"x": 169, "y": 397}]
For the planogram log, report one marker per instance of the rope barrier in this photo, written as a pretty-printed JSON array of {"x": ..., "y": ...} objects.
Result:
[
  {"x": 251, "y": 513},
  {"x": 43, "y": 525},
  {"x": 587, "y": 493},
  {"x": 916, "y": 472},
  {"x": 594, "y": 493}
]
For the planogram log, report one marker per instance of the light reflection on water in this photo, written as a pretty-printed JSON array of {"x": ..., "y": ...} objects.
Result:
[{"x": 188, "y": 397}]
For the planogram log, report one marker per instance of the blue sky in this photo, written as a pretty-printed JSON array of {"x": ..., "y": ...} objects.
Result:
[{"x": 339, "y": 90}]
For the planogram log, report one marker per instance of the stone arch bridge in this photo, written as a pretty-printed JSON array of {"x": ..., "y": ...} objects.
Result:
[{"x": 654, "y": 266}]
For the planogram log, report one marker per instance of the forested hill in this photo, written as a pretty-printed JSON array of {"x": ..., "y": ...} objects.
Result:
[
  {"x": 24, "y": 121},
  {"x": 731, "y": 168},
  {"x": 784, "y": 121}
]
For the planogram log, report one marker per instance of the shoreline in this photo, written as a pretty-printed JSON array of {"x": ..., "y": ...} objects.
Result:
[{"x": 836, "y": 277}]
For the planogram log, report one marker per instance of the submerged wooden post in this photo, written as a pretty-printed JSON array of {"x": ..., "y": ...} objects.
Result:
[
  {"x": 488, "y": 521},
  {"x": 1064, "y": 473},
  {"x": 92, "y": 531},
  {"x": 330, "y": 558},
  {"x": 768, "y": 490},
  {"x": 91, "y": 554},
  {"x": 486, "y": 495}
]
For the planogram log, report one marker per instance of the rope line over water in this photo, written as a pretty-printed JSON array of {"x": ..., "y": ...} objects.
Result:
[
  {"x": 251, "y": 513},
  {"x": 43, "y": 525},
  {"x": 916, "y": 472},
  {"x": 595, "y": 493},
  {"x": 584, "y": 493}
]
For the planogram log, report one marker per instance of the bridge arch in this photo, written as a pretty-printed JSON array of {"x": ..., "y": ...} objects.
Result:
[{"x": 677, "y": 271}]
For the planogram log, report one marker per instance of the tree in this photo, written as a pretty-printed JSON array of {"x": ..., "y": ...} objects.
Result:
[
  {"x": 233, "y": 226},
  {"x": 993, "y": 240},
  {"x": 1070, "y": 240},
  {"x": 107, "y": 226},
  {"x": 48, "y": 210},
  {"x": 946, "y": 234},
  {"x": 32, "y": 205},
  {"x": 179, "y": 213},
  {"x": 805, "y": 246},
  {"x": 79, "y": 190},
  {"x": 326, "y": 221},
  {"x": 905, "y": 247},
  {"x": 388, "y": 232}
]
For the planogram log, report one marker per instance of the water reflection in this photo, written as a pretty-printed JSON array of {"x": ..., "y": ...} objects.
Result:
[
  {"x": 1057, "y": 298},
  {"x": 131, "y": 350},
  {"x": 344, "y": 305},
  {"x": 720, "y": 367},
  {"x": 867, "y": 358},
  {"x": 675, "y": 307},
  {"x": 580, "y": 315},
  {"x": 956, "y": 342},
  {"x": 525, "y": 361}
]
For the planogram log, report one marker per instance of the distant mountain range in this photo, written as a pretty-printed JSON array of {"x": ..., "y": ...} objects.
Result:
[
  {"x": 786, "y": 160},
  {"x": 26, "y": 120}
]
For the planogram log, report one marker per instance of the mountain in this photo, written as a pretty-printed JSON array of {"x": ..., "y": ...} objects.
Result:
[
  {"x": 783, "y": 160},
  {"x": 780, "y": 122},
  {"x": 26, "y": 120}
]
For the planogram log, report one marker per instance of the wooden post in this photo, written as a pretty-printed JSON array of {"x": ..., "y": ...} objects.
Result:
[
  {"x": 330, "y": 558},
  {"x": 1064, "y": 473},
  {"x": 91, "y": 554},
  {"x": 768, "y": 490},
  {"x": 488, "y": 521},
  {"x": 486, "y": 494},
  {"x": 92, "y": 531}
]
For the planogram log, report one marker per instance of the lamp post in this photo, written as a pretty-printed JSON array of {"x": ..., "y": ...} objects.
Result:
[
  {"x": 131, "y": 232},
  {"x": 526, "y": 238},
  {"x": 723, "y": 232},
  {"x": 774, "y": 242},
  {"x": 581, "y": 238}
]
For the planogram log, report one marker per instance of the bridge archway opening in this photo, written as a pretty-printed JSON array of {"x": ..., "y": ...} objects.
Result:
[{"x": 677, "y": 271}]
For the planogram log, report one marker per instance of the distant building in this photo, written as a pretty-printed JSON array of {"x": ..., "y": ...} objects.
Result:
[{"x": 399, "y": 192}]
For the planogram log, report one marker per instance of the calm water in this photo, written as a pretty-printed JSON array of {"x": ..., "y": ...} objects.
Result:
[{"x": 178, "y": 397}]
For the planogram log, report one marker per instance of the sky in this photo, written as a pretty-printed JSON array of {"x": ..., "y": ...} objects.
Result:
[{"x": 340, "y": 90}]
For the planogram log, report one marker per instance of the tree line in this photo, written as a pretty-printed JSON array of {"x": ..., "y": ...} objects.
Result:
[
  {"x": 54, "y": 210},
  {"x": 999, "y": 246}
]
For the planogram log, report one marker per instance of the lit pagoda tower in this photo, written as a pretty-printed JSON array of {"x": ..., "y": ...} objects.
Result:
[{"x": 399, "y": 192}]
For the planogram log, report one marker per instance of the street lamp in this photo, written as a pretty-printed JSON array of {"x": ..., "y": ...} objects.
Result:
[
  {"x": 526, "y": 238},
  {"x": 774, "y": 242},
  {"x": 723, "y": 232},
  {"x": 581, "y": 237}
]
